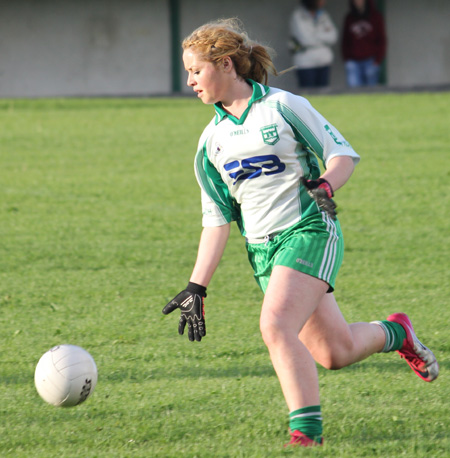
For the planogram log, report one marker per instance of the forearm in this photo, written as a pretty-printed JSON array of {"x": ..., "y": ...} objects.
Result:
[
  {"x": 211, "y": 248},
  {"x": 328, "y": 34},
  {"x": 303, "y": 32},
  {"x": 339, "y": 170}
]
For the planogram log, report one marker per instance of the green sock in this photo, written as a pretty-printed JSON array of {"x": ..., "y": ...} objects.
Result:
[
  {"x": 395, "y": 335},
  {"x": 308, "y": 420}
]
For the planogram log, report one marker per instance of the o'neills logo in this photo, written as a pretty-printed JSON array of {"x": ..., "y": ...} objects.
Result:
[
  {"x": 270, "y": 134},
  {"x": 188, "y": 304}
]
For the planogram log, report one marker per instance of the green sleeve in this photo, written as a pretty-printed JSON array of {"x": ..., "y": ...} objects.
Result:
[{"x": 212, "y": 184}]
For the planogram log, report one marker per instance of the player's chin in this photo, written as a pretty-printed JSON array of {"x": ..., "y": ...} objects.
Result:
[
  {"x": 205, "y": 98},
  {"x": 208, "y": 100}
]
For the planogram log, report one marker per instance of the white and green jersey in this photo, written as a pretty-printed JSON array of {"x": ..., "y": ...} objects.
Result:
[{"x": 249, "y": 169}]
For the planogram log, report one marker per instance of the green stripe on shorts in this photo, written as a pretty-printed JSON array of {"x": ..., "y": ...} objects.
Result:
[{"x": 314, "y": 246}]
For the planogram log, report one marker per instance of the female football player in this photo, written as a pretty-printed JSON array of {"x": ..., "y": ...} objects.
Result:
[{"x": 258, "y": 164}]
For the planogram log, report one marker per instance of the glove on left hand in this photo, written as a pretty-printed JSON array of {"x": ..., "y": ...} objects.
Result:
[
  {"x": 190, "y": 303},
  {"x": 322, "y": 192}
]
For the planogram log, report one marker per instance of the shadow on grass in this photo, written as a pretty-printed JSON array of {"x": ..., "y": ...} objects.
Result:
[
  {"x": 237, "y": 371},
  {"x": 391, "y": 365},
  {"x": 229, "y": 369},
  {"x": 192, "y": 372}
]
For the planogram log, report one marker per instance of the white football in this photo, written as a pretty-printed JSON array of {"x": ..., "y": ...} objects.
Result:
[{"x": 65, "y": 376}]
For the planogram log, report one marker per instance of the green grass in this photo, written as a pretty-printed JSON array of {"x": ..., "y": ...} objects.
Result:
[{"x": 99, "y": 226}]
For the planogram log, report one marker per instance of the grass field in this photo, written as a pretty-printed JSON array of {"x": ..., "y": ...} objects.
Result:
[{"x": 99, "y": 226}]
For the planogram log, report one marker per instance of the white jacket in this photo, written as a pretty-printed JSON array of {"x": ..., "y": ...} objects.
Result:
[{"x": 315, "y": 36}]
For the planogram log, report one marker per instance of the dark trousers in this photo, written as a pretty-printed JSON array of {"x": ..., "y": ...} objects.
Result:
[{"x": 313, "y": 77}]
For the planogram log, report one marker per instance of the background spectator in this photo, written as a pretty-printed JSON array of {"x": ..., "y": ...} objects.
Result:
[
  {"x": 312, "y": 34},
  {"x": 363, "y": 43}
]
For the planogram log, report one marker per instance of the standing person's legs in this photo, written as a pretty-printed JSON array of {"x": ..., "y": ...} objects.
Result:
[
  {"x": 306, "y": 77},
  {"x": 371, "y": 72},
  {"x": 353, "y": 72},
  {"x": 323, "y": 76}
]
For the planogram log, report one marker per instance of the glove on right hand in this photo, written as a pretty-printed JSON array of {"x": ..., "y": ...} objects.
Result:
[
  {"x": 322, "y": 192},
  {"x": 190, "y": 302}
]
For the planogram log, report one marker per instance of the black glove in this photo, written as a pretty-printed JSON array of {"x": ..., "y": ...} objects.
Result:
[
  {"x": 190, "y": 303},
  {"x": 322, "y": 192}
]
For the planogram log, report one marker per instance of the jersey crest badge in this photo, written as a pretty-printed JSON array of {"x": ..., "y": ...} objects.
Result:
[{"x": 270, "y": 134}]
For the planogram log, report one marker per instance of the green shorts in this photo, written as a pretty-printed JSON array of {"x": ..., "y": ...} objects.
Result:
[{"x": 314, "y": 246}]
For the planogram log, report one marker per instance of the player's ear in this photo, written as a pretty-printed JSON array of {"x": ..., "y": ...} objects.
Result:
[{"x": 227, "y": 63}]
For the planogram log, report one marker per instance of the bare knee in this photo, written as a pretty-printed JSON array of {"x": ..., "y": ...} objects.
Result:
[
  {"x": 331, "y": 362},
  {"x": 335, "y": 355},
  {"x": 270, "y": 332},
  {"x": 274, "y": 333}
]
